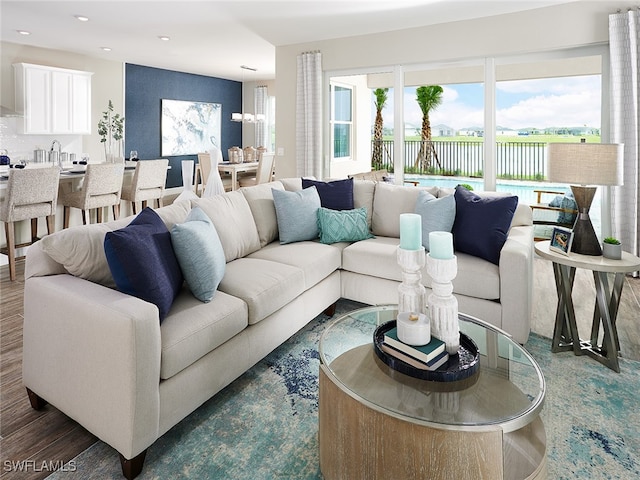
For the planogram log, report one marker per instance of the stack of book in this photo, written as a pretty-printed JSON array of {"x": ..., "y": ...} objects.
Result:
[{"x": 426, "y": 357}]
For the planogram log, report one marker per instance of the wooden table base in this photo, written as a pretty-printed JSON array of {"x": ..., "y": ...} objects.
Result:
[{"x": 359, "y": 442}]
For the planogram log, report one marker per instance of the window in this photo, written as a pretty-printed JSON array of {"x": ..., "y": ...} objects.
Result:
[{"x": 341, "y": 121}]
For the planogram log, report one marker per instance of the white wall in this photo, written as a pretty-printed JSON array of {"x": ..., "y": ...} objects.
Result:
[
  {"x": 107, "y": 83},
  {"x": 545, "y": 29}
]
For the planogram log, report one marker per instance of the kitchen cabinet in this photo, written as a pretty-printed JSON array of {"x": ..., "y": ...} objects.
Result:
[{"x": 53, "y": 100}]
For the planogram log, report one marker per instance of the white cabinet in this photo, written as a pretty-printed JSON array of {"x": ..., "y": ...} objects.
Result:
[{"x": 53, "y": 100}]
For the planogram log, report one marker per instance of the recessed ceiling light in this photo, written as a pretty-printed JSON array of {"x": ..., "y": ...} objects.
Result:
[
  {"x": 164, "y": 38},
  {"x": 106, "y": 49},
  {"x": 23, "y": 32},
  {"x": 82, "y": 18}
]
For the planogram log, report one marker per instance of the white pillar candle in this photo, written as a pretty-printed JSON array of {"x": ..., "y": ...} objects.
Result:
[
  {"x": 441, "y": 245},
  {"x": 410, "y": 231}
]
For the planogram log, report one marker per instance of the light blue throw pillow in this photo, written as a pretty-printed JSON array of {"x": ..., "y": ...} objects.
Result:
[
  {"x": 296, "y": 214},
  {"x": 200, "y": 255},
  {"x": 438, "y": 214},
  {"x": 343, "y": 225}
]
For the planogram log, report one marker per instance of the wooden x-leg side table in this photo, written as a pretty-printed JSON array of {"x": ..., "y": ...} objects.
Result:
[{"x": 565, "y": 333}]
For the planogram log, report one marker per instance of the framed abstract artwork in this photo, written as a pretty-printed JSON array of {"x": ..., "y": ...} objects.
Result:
[{"x": 190, "y": 127}]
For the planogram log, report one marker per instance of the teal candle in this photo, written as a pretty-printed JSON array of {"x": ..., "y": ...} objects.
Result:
[
  {"x": 441, "y": 245},
  {"x": 410, "y": 231}
]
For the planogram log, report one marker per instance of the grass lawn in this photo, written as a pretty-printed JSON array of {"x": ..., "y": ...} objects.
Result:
[{"x": 514, "y": 139}]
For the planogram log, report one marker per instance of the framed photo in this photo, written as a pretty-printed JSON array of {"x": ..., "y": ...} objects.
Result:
[
  {"x": 561, "y": 240},
  {"x": 190, "y": 127}
]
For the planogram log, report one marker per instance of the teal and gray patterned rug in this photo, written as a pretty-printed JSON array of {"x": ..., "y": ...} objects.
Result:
[{"x": 265, "y": 424}]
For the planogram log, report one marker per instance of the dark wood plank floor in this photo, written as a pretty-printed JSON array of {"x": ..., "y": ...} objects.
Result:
[
  {"x": 34, "y": 442},
  {"x": 33, "y": 437}
]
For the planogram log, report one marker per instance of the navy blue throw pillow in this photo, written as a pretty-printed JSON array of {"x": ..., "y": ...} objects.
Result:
[
  {"x": 336, "y": 195},
  {"x": 142, "y": 261},
  {"x": 482, "y": 223}
]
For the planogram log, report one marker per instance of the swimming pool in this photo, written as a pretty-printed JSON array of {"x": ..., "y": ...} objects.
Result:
[{"x": 523, "y": 189}]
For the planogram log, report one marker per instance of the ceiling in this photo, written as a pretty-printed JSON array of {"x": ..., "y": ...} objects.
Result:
[{"x": 215, "y": 38}]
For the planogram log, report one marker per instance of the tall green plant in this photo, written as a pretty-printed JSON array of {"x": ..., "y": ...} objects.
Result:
[
  {"x": 429, "y": 98},
  {"x": 110, "y": 129},
  {"x": 380, "y": 95}
]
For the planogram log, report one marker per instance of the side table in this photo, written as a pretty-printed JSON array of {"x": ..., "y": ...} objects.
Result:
[{"x": 565, "y": 333}]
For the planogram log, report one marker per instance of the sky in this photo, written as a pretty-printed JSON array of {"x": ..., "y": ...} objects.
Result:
[{"x": 539, "y": 103}]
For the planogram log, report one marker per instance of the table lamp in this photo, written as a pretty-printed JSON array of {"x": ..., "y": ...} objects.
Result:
[{"x": 582, "y": 164}]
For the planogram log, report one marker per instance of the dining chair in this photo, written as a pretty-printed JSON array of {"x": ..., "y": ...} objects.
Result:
[
  {"x": 31, "y": 193},
  {"x": 101, "y": 188},
  {"x": 148, "y": 183},
  {"x": 203, "y": 170},
  {"x": 264, "y": 173}
]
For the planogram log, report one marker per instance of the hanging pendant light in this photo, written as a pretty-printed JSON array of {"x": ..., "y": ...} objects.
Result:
[{"x": 245, "y": 117}]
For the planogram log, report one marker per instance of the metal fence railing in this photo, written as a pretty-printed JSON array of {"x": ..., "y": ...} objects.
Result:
[{"x": 514, "y": 160}]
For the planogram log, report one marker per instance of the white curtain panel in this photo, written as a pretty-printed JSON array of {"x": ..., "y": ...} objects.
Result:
[
  {"x": 624, "y": 41},
  {"x": 261, "y": 109},
  {"x": 309, "y": 115}
]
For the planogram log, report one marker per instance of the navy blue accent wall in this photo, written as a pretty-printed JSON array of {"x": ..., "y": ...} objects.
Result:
[{"x": 145, "y": 87}]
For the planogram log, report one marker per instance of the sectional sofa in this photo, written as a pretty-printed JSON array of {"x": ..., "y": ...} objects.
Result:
[{"x": 128, "y": 371}]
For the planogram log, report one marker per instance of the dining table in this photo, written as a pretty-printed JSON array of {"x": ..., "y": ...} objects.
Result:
[{"x": 234, "y": 168}]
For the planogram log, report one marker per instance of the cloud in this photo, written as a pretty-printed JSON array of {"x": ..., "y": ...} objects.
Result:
[
  {"x": 539, "y": 103},
  {"x": 541, "y": 111}
]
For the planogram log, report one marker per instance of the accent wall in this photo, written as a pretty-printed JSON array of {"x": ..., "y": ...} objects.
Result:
[{"x": 145, "y": 87}]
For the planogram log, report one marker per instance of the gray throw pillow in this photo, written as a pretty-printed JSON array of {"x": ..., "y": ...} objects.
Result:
[
  {"x": 438, "y": 214},
  {"x": 296, "y": 213}
]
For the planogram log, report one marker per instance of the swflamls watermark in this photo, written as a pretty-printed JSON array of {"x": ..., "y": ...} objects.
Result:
[{"x": 39, "y": 466}]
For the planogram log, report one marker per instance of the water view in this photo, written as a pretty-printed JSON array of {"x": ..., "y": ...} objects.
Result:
[{"x": 525, "y": 190}]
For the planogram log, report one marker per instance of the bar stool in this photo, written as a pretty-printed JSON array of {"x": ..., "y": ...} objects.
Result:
[
  {"x": 31, "y": 193},
  {"x": 148, "y": 183},
  {"x": 101, "y": 188}
]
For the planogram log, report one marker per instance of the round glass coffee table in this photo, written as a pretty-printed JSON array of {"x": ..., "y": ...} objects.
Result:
[{"x": 375, "y": 422}]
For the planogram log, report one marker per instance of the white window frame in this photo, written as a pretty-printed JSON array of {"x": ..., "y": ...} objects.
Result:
[{"x": 333, "y": 122}]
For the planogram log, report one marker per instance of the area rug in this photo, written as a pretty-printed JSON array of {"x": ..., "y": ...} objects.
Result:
[{"x": 265, "y": 424}]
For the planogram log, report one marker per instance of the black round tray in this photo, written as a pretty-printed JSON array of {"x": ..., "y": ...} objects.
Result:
[{"x": 460, "y": 366}]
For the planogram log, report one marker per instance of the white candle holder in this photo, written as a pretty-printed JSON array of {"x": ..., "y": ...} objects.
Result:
[
  {"x": 443, "y": 306},
  {"x": 411, "y": 293}
]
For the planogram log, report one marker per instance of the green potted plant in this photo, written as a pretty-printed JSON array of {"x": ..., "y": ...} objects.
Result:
[
  {"x": 111, "y": 131},
  {"x": 612, "y": 248}
]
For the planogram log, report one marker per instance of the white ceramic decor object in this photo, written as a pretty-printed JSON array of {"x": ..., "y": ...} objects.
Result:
[
  {"x": 413, "y": 328},
  {"x": 443, "y": 306}
]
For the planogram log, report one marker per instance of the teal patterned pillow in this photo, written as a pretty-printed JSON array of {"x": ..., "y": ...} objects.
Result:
[{"x": 343, "y": 225}]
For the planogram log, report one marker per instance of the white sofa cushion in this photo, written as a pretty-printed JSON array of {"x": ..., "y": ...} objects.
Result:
[
  {"x": 363, "y": 191},
  {"x": 232, "y": 217},
  {"x": 389, "y": 202},
  {"x": 316, "y": 260},
  {"x": 192, "y": 329},
  {"x": 82, "y": 254},
  {"x": 265, "y": 286},
  {"x": 260, "y": 200},
  {"x": 476, "y": 277}
]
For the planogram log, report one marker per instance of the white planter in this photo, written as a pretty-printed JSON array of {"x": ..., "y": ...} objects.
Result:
[{"x": 614, "y": 252}]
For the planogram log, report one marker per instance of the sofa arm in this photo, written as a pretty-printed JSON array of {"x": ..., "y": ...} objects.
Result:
[
  {"x": 94, "y": 353},
  {"x": 516, "y": 282}
]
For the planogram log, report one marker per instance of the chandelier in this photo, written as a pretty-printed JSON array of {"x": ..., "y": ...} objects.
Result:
[{"x": 245, "y": 117}]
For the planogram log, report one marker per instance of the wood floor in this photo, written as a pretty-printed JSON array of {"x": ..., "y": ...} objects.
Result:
[{"x": 42, "y": 440}]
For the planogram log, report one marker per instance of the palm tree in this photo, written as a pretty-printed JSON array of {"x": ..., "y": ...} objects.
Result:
[
  {"x": 428, "y": 98},
  {"x": 380, "y": 102}
]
